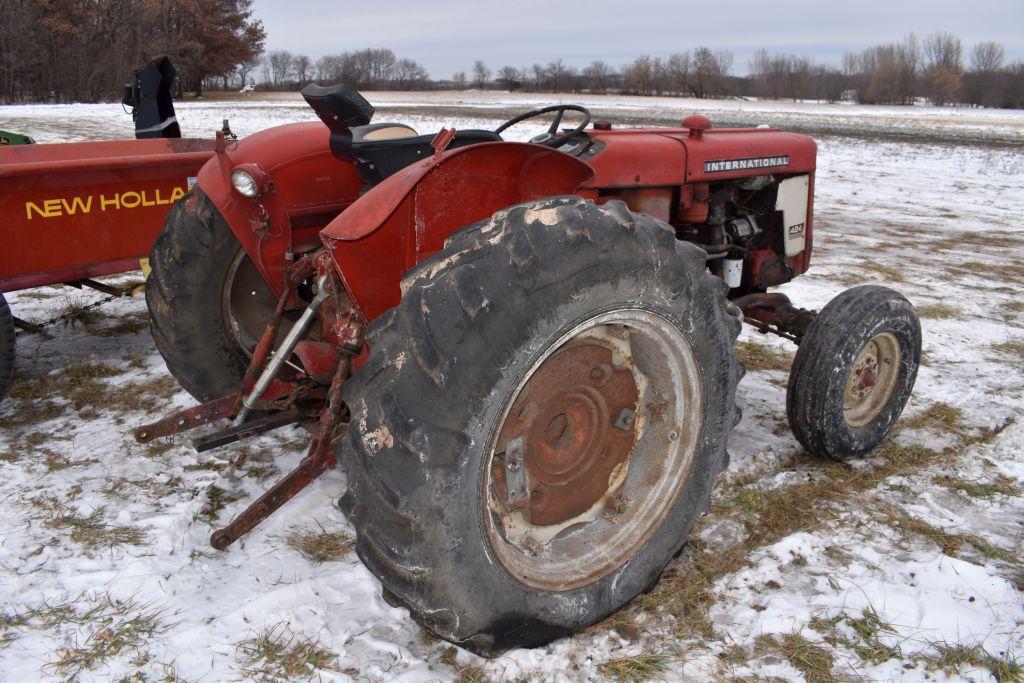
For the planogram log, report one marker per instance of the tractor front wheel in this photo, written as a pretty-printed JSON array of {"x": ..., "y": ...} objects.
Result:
[
  {"x": 540, "y": 422},
  {"x": 854, "y": 371},
  {"x": 6, "y": 346},
  {"x": 208, "y": 304}
]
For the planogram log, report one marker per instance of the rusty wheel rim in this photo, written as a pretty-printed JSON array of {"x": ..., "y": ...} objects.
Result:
[
  {"x": 871, "y": 380},
  {"x": 592, "y": 449},
  {"x": 247, "y": 303}
]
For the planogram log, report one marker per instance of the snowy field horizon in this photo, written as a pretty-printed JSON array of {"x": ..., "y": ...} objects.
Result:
[{"x": 907, "y": 565}]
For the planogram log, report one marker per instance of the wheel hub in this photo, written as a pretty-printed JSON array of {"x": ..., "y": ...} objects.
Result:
[
  {"x": 570, "y": 431},
  {"x": 871, "y": 380}
]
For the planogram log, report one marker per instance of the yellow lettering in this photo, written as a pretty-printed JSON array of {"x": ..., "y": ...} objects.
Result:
[
  {"x": 40, "y": 210},
  {"x": 132, "y": 197},
  {"x": 77, "y": 205},
  {"x": 52, "y": 207},
  {"x": 177, "y": 194},
  {"x": 114, "y": 201},
  {"x": 147, "y": 202}
]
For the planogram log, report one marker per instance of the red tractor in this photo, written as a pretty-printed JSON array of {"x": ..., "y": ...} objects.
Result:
[{"x": 521, "y": 354}]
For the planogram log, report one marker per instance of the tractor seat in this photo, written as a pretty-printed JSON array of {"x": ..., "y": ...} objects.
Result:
[
  {"x": 382, "y": 131},
  {"x": 386, "y": 148}
]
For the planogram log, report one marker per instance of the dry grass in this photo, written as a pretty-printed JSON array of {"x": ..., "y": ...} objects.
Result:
[
  {"x": 939, "y": 416},
  {"x": 763, "y": 357},
  {"x": 810, "y": 659},
  {"x": 92, "y": 531},
  {"x": 937, "y": 311},
  {"x": 120, "y": 627},
  {"x": 112, "y": 627},
  {"x": 888, "y": 273},
  {"x": 463, "y": 674},
  {"x": 319, "y": 545},
  {"x": 1013, "y": 349},
  {"x": 642, "y": 667},
  {"x": 973, "y": 488},
  {"x": 955, "y": 658},
  {"x": 275, "y": 653},
  {"x": 952, "y": 543},
  {"x": 862, "y": 635}
]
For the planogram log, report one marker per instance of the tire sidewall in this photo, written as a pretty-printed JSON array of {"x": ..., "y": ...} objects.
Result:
[{"x": 7, "y": 346}]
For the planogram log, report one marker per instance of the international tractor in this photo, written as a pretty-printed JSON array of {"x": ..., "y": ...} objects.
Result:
[{"x": 520, "y": 354}]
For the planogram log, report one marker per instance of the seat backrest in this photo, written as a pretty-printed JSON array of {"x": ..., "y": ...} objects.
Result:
[{"x": 339, "y": 106}]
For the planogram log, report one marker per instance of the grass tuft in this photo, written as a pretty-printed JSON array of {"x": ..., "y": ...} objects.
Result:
[
  {"x": 642, "y": 667},
  {"x": 810, "y": 659},
  {"x": 940, "y": 416},
  {"x": 763, "y": 357},
  {"x": 275, "y": 653},
  {"x": 115, "y": 627},
  {"x": 956, "y": 657},
  {"x": 973, "y": 488},
  {"x": 92, "y": 531},
  {"x": 320, "y": 545},
  {"x": 937, "y": 311}
]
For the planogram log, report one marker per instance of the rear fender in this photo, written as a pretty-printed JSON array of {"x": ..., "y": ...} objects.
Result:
[{"x": 408, "y": 216}]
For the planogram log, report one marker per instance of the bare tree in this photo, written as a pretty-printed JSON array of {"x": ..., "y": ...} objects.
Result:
[
  {"x": 511, "y": 77},
  {"x": 983, "y": 87},
  {"x": 279, "y": 65},
  {"x": 409, "y": 74},
  {"x": 943, "y": 67},
  {"x": 302, "y": 68},
  {"x": 247, "y": 67},
  {"x": 677, "y": 71},
  {"x": 459, "y": 80},
  {"x": 481, "y": 74},
  {"x": 710, "y": 70},
  {"x": 597, "y": 75}
]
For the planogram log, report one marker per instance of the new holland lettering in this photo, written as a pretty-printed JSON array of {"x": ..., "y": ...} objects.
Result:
[
  {"x": 722, "y": 165},
  {"x": 61, "y": 206}
]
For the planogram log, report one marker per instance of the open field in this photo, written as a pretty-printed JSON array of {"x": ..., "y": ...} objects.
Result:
[{"x": 908, "y": 565}]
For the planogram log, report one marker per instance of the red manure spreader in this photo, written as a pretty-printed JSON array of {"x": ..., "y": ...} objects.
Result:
[
  {"x": 71, "y": 212},
  {"x": 520, "y": 354}
]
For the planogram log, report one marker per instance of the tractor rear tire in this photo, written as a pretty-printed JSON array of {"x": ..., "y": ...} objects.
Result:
[
  {"x": 853, "y": 372},
  {"x": 195, "y": 261},
  {"x": 6, "y": 346},
  {"x": 554, "y": 313}
]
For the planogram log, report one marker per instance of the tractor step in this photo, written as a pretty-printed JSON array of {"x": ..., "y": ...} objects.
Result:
[{"x": 246, "y": 429}]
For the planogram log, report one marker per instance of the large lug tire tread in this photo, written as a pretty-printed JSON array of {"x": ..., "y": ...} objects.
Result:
[
  {"x": 7, "y": 334},
  {"x": 817, "y": 380},
  {"x": 191, "y": 259},
  {"x": 439, "y": 367}
]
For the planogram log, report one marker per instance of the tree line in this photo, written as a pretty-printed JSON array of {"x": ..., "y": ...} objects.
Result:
[
  {"x": 937, "y": 68},
  {"x": 84, "y": 50}
]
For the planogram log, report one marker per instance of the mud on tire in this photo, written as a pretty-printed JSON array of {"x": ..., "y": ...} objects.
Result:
[
  {"x": 444, "y": 364},
  {"x": 6, "y": 347},
  {"x": 824, "y": 417},
  {"x": 191, "y": 260}
]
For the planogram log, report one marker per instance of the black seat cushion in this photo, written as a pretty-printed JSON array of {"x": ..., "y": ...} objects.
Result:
[
  {"x": 378, "y": 159},
  {"x": 339, "y": 106}
]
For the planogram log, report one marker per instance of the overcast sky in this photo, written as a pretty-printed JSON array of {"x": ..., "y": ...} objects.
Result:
[{"x": 446, "y": 36}]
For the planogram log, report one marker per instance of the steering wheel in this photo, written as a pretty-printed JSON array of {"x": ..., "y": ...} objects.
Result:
[{"x": 550, "y": 139}]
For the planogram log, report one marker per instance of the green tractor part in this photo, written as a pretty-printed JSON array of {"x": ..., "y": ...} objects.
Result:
[{"x": 14, "y": 139}]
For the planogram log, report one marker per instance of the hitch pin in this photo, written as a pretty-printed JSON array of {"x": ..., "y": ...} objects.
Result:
[{"x": 283, "y": 353}]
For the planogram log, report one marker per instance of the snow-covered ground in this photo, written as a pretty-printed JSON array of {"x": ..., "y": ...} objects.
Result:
[{"x": 905, "y": 566}]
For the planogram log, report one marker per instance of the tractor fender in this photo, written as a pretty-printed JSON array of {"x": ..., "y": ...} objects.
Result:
[
  {"x": 306, "y": 186},
  {"x": 407, "y": 217}
]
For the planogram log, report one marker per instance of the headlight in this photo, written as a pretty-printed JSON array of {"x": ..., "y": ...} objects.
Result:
[{"x": 244, "y": 183}]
